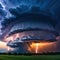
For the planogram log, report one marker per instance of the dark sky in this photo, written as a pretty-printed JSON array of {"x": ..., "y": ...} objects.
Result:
[{"x": 47, "y": 7}]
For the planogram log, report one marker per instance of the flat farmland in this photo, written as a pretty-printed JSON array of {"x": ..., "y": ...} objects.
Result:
[{"x": 22, "y": 57}]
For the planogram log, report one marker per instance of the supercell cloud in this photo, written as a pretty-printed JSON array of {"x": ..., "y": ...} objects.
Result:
[{"x": 10, "y": 10}]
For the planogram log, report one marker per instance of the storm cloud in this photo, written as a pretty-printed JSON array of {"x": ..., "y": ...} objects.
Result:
[
  {"x": 45, "y": 7},
  {"x": 14, "y": 10}
]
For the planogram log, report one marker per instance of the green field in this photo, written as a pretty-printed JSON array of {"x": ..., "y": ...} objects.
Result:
[{"x": 21, "y": 57}]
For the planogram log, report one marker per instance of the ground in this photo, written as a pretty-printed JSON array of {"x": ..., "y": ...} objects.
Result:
[{"x": 21, "y": 57}]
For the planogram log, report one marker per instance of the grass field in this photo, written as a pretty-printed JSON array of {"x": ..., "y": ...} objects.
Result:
[{"x": 21, "y": 57}]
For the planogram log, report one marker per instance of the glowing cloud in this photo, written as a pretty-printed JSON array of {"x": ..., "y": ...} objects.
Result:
[
  {"x": 4, "y": 47},
  {"x": 42, "y": 47}
]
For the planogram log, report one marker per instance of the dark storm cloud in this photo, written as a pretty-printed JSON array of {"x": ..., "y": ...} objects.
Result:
[
  {"x": 21, "y": 6},
  {"x": 47, "y": 5},
  {"x": 2, "y": 12},
  {"x": 44, "y": 7},
  {"x": 25, "y": 12},
  {"x": 1, "y": 6}
]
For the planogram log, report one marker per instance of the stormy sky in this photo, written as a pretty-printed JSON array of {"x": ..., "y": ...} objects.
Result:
[{"x": 47, "y": 7}]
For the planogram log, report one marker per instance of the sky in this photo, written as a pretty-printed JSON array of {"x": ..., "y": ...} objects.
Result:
[
  {"x": 3, "y": 47},
  {"x": 48, "y": 6}
]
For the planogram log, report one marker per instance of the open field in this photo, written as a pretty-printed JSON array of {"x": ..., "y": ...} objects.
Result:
[{"x": 21, "y": 57}]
